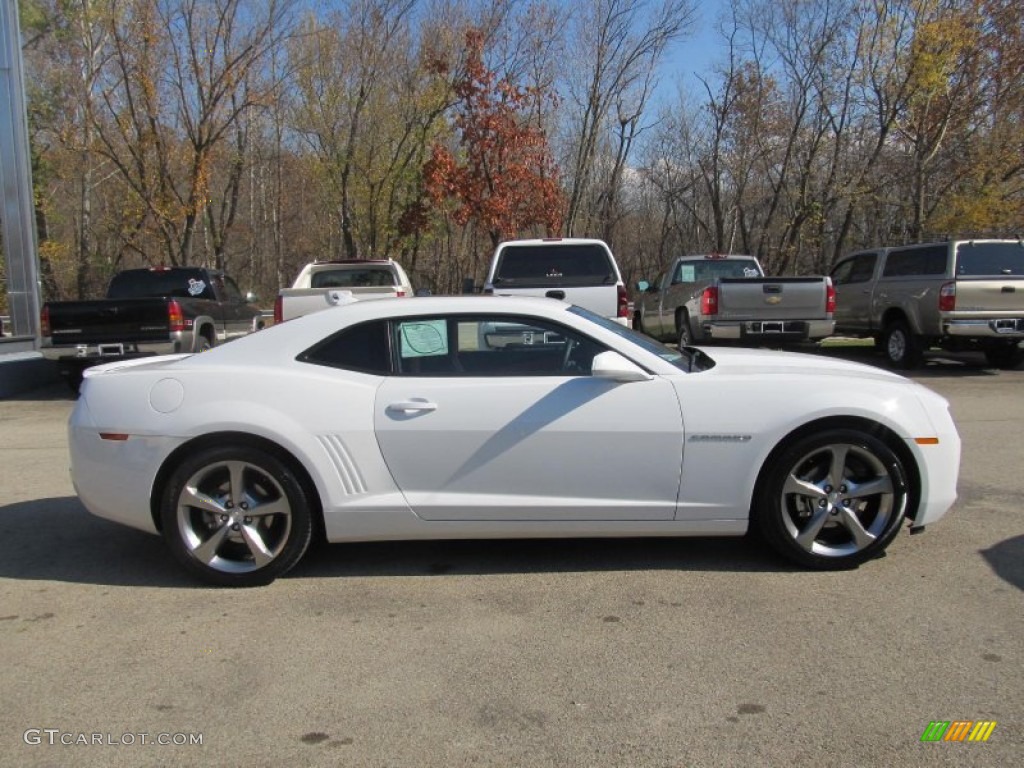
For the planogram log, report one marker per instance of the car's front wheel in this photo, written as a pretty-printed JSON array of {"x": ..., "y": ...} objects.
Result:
[
  {"x": 833, "y": 500},
  {"x": 236, "y": 515}
]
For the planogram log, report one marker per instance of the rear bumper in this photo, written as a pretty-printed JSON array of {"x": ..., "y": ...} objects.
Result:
[
  {"x": 769, "y": 331},
  {"x": 83, "y": 355},
  {"x": 988, "y": 328}
]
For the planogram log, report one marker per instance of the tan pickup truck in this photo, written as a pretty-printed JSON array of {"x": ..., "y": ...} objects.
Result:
[{"x": 957, "y": 295}]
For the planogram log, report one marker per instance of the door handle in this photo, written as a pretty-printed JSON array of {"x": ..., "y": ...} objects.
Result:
[{"x": 408, "y": 406}]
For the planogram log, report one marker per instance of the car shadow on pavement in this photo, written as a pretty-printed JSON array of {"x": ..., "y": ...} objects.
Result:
[
  {"x": 1006, "y": 559},
  {"x": 58, "y": 540},
  {"x": 519, "y": 556},
  {"x": 936, "y": 362}
]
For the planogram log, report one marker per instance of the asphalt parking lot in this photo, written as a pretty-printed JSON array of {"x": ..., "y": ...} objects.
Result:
[{"x": 580, "y": 653}]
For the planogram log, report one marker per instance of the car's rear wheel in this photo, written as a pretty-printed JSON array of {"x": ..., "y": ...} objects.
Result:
[
  {"x": 236, "y": 515},
  {"x": 685, "y": 334},
  {"x": 833, "y": 500},
  {"x": 902, "y": 348}
]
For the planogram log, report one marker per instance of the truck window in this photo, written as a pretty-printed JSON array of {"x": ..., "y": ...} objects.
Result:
[
  {"x": 702, "y": 270},
  {"x": 176, "y": 282},
  {"x": 989, "y": 259},
  {"x": 856, "y": 269},
  {"x": 348, "y": 277},
  {"x": 917, "y": 262},
  {"x": 542, "y": 266}
]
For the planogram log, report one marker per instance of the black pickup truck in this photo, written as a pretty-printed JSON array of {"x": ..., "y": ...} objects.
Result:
[{"x": 155, "y": 311}]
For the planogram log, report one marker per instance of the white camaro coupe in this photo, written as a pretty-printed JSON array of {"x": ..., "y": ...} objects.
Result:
[{"x": 484, "y": 417}]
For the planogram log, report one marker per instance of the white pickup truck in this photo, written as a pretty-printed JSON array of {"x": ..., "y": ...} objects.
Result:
[
  {"x": 323, "y": 284},
  {"x": 579, "y": 271}
]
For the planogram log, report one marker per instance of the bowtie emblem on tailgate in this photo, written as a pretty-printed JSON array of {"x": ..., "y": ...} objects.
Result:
[{"x": 772, "y": 299}]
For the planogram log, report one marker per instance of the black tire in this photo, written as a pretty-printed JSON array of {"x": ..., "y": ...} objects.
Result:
[
  {"x": 1006, "y": 357},
  {"x": 218, "y": 531},
  {"x": 203, "y": 344},
  {"x": 683, "y": 327},
  {"x": 901, "y": 347},
  {"x": 73, "y": 377},
  {"x": 832, "y": 500},
  {"x": 638, "y": 323}
]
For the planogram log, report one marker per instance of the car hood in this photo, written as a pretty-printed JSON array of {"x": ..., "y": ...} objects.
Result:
[{"x": 762, "y": 362}]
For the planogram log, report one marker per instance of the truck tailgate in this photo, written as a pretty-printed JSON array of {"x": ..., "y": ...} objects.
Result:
[
  {"x": 600, "y": 299},
  {"x": 980, "y": 296},
  {"x": 296, "y": 302},
  {"x": 787, "y": 298},
  {"x": 109, "y": 320}
]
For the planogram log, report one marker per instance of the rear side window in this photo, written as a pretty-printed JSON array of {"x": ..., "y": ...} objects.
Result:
[
  {"x": 544, "y": 266},
  {"x": 917, "y": 262},
  {"x": 990, "y": 259},
  {"x": 364, "y": 348},
  {"x": 359, "y": 277}
]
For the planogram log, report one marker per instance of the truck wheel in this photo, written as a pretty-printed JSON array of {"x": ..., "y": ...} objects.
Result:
[
  {"x": 685, "y": 334},
  {"x": 902, "y": 348},
  {"x": 203, "y": 344},
  {"x": 832, "y": 500},
  {"x": 1006, "y": 357}
]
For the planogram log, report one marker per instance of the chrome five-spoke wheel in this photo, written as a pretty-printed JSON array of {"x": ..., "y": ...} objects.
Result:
[
  {"x": 236, "y": 516},
  {"x": 836, "y": 499}
]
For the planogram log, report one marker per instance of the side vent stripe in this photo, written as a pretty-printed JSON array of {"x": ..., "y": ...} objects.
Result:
[{"x": 346, "y": 468}]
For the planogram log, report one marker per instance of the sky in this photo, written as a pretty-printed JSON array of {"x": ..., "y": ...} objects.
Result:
[{"x": 696, "y": 55}]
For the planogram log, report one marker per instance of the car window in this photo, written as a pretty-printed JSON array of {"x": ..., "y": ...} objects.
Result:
[
  {"x": 490, "y": 345},
  {"x": 917, "y": 262},
  {"x": 364, "y": 347},
  {"x": 856, "y": 269}
]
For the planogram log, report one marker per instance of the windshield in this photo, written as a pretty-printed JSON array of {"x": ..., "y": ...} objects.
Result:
[
  {"x": 990, "y": 259},
  {"x": 690, "y": 361}
]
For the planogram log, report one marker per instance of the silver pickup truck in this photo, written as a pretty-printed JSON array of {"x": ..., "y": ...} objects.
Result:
[
  {"x": 957, "y": 295},
  {"x": 714, "y": 297}
]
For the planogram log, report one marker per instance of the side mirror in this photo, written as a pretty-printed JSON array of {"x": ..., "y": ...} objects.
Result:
[
  {"x": 422, "y": 292},
  {"x": 468, "y": 285},
  {"x": 613, "y": 366},
  {"x": 643, "y": 286},
  {"x": 251, "y": 298}
]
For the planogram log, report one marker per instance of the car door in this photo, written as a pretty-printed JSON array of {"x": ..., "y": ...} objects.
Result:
[
  {"x": 497, "y": 419},
  {"x": 237, "y": 315},
  {"x": 852, "y": 281}
]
